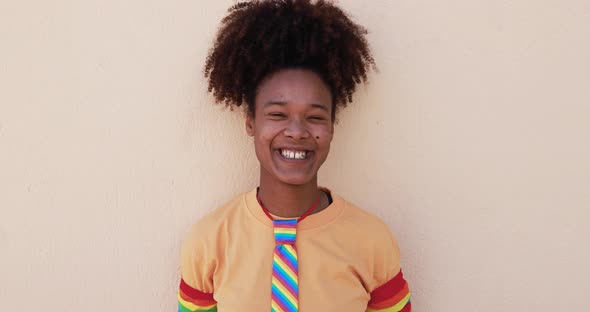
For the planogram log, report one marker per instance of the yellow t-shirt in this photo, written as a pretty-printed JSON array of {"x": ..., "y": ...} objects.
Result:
[{"x": 348, "y": 261}]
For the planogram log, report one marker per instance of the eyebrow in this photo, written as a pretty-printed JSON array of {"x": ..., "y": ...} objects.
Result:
[{"x": 282, "y": 103}]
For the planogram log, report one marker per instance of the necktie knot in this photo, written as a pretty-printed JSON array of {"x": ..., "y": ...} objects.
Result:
[{"x": 285, "y": 231}]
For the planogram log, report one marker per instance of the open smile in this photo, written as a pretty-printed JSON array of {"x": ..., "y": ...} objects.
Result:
[{"x": 294, "y": 155}]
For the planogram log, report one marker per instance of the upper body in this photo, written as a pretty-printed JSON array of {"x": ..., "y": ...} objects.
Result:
[
  {"x": 293, "y": 63},
  {"x": 346, "y": 255}
]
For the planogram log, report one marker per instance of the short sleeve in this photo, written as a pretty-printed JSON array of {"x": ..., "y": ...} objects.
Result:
[
  {"x": 197, "y": 264},
  {"x": 393, "y": 293}
]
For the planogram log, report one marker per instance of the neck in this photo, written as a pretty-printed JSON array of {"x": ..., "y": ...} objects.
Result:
[{"x": 288, "y": 201}]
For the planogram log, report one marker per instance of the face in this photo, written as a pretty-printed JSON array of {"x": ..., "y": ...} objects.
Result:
[{"x": 292, "y": 126}]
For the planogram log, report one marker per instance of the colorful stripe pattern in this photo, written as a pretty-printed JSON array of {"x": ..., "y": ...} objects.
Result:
[
  {"x": 393, "y": 296},
  {"x": 191, "y": 300},
  {"x": 285, "y": 285}
]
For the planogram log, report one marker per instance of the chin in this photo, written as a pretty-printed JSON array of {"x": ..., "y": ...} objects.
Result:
[{"x": 295, "y": 180}]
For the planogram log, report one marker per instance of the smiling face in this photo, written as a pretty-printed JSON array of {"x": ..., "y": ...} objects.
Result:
[{"x": 292, "y": 126}]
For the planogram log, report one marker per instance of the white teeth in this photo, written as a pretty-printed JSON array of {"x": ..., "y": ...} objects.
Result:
[{"x": 294, "y": 154}]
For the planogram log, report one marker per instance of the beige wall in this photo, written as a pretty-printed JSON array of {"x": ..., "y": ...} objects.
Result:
[{"x": 472, "y": 143}]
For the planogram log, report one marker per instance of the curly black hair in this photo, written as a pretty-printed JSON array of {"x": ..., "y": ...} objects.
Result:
[{"x": 260, "y": 37}]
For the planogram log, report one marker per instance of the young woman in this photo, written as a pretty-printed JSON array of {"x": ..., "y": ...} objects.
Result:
[{"x": 290, "y": 244}]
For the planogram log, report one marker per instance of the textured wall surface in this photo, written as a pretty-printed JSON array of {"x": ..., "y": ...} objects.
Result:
[{"x": 472, "y": 142}]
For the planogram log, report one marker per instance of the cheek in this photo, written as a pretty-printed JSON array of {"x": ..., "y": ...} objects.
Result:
[
  {"x": 261, "y": 142},
  {"x": 264, "y": 137},
  {"x": 323, "y": 137},
  {"x": 261, "y": 148}
]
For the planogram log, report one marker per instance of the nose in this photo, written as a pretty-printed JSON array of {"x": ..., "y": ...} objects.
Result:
[{"x": 297, "y": 129}]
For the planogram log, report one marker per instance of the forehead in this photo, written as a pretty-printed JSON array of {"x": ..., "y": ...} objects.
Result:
[{"x": 296, "y": 86}]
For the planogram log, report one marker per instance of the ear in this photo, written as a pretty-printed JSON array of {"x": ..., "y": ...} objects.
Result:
[{"x": 249, "y": 124}]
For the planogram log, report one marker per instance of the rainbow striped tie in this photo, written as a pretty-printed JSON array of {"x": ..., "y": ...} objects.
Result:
[{"x": 285, "y": 285}]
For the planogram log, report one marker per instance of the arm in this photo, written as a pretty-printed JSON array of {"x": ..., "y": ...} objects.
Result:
[
  {"x": 195, "y": 292},
  {"x": 190, "y": 299},
  {"x": 393, "y": 296},
  {"x": 391, "y": 292}
]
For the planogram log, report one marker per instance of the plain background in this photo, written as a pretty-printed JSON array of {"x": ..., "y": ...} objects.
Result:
[{"x": 472, "y": 143}]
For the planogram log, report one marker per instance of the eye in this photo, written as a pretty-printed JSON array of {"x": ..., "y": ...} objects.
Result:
[
  {"x": 277, "y": 115},
  {"x": 317, "y": 117}
]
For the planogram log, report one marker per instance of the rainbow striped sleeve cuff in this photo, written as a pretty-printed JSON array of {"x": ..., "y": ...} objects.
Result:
[
  {"x": 191, "y": 300},
  {"x": 393, "y": 296}
]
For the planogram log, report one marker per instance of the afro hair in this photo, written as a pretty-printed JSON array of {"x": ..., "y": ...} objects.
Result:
[{"x": 261, "y": 37}]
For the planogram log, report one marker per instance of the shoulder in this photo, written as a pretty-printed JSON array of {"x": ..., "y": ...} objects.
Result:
[
  {"x": 380, "y": 249},
  {"x": 368, "y": 223},
  {"x": 208, "y": 226},
  {"x": 385, "y": 280},
  {"x": 203, "y": 245}
]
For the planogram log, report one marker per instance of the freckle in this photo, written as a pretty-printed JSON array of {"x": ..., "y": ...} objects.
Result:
[{"x": 317, "y": 137}]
